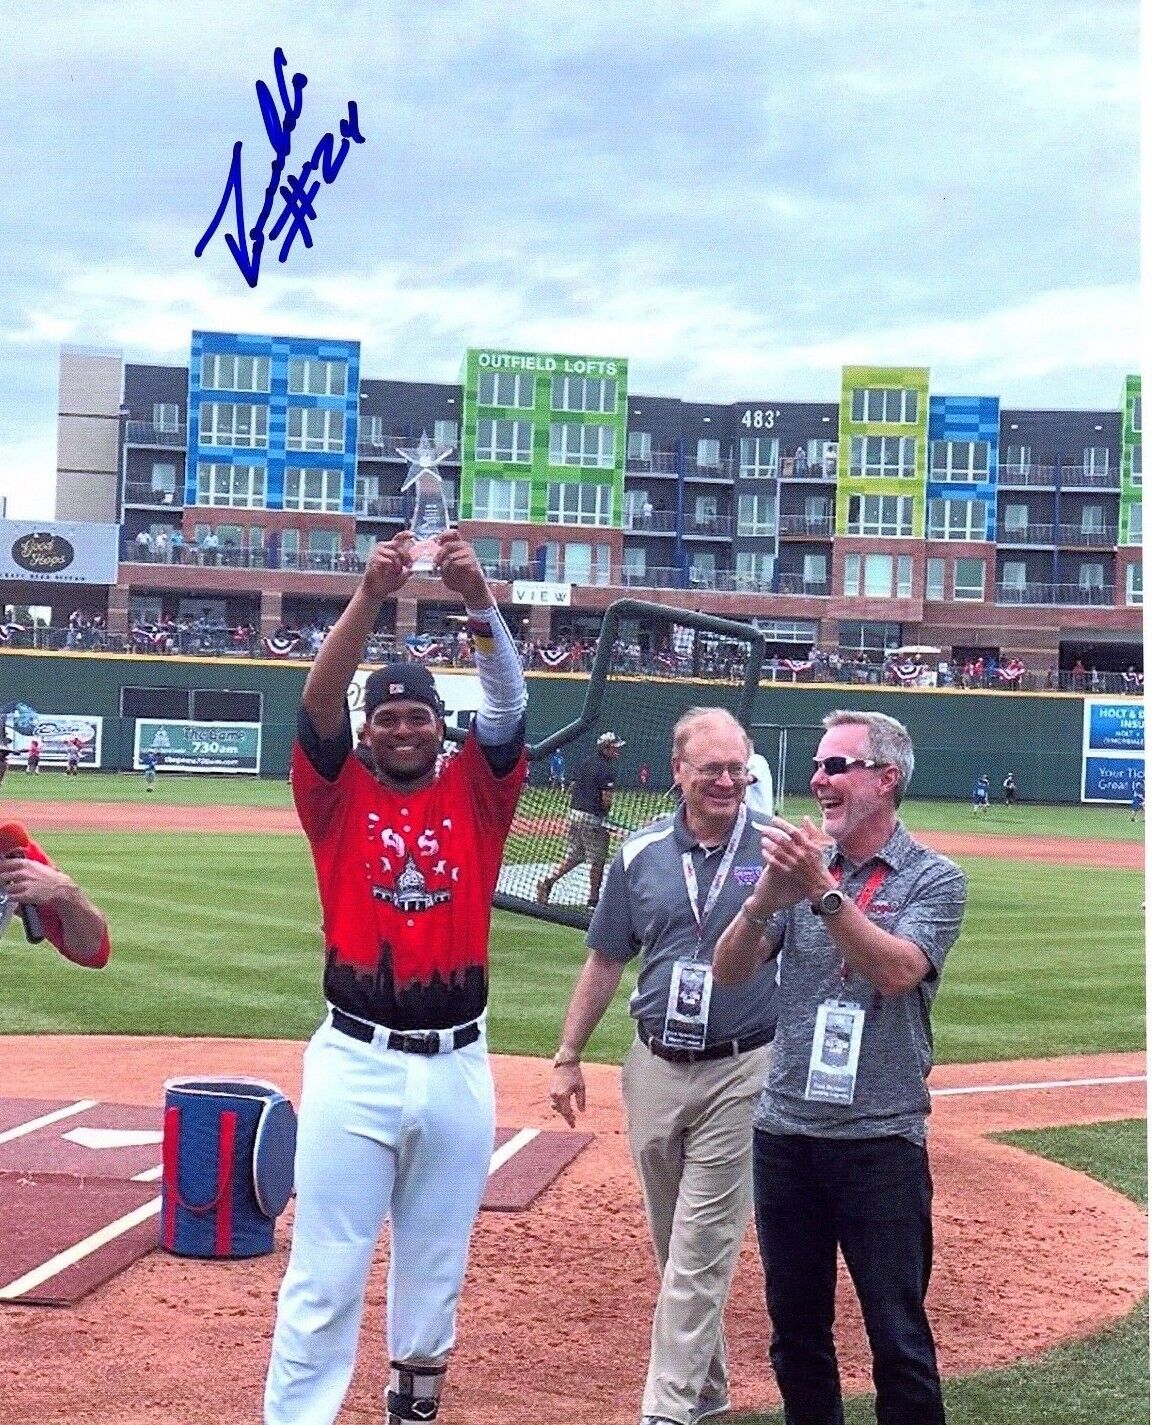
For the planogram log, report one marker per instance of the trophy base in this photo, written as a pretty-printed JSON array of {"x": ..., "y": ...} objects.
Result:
[{"x": 423, "y": 554}]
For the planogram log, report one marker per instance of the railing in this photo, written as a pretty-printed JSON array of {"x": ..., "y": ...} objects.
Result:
[
  {"x": 1094, "y": 595},
  {"x": 797, "y": 584},
  {"x": 658, "y": 522},
  {"x": 388, "y": 448},
  {"x": 789, "y": 470},
  {"x": 659, "y": 462},
  {"x": 800, "y": 526},
  {"x": 723, "y": 468},
  {"x": 146, "y": 433},
  {"x": 137, "y": 492},
  {"x": 1075, "y": 477},
  {"x": 713, "y": 526},
  {"x": 340, "y": 561},
  {"x": 383, "y": 507},
  {"x": 1026, "y": 534}
]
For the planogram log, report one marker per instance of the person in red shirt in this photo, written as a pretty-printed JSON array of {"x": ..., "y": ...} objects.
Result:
[
  {"x": 69, "y": 919},
  {"x": 397, "y": 1115}
]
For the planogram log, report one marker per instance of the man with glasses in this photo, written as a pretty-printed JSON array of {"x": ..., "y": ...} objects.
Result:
[
  {"x": 862, "y": 928},
  {"x": 691, "y": 1077}
]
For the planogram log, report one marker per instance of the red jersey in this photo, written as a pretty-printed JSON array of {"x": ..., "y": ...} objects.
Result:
[
  {"x": 406, "y": 882},
  {"x": 51, "y": 920}
]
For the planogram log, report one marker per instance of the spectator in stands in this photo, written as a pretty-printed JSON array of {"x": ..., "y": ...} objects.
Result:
[
  {"x": 144, "y": 546},
  {"x": 176, "y": 545},
  {"x": 210, "y": 546}
]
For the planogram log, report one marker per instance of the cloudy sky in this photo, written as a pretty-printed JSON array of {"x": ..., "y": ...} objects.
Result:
[{"x": 739, "y": 196}]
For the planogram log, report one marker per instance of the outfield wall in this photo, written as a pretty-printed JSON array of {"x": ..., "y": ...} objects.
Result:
[{"x": 957, "y": 734}]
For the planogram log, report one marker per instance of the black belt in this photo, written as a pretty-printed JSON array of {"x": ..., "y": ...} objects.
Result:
[
  {"x": 726, "y": 1050},
  {"x": 408, "y": 1041}
]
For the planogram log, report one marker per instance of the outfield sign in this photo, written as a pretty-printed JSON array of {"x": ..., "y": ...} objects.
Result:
[
  {"x": 55, "y": 732},
  {"x": 48, "y": 551},
  {"x": 198, "y": 746},
  {"x": 1113, "y": 749}
]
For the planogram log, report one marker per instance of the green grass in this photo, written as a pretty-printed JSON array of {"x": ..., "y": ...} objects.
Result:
[
  {"x": 1099, "y": 1381},
  {"x": 219, "y": 935}
]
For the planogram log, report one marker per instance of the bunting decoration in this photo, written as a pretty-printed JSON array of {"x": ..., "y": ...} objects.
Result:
[
  {"x": 280, "y": 644},
  {"x": 908, "y": 671},
  {"x": 8, "y": 629},
  {"x": 554, "y": 657},
  {"x": 424, "y": 651},
  {"x": 1011, "y": 671}
]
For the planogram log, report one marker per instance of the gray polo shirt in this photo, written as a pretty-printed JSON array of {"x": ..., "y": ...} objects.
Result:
[
  {"x": 921, "y": 898},
  {"x": 644, "y": 910}
]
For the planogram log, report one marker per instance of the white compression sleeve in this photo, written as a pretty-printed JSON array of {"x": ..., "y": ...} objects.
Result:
[{"x": 503, "y": 694}]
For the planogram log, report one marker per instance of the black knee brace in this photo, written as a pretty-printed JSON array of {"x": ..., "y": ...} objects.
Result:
[{"x": 414, "y": 1392}]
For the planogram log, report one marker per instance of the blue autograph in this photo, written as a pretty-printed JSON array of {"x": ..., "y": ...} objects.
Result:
[{"x": 298, "y": 194}]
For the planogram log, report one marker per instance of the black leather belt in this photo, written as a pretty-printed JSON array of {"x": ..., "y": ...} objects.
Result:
[
  {"x": 408, "y": 1041},
  {"x": 728, "y": 1049}
]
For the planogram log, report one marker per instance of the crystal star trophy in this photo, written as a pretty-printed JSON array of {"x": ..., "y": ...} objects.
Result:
[{"x": 430, "y": 515}]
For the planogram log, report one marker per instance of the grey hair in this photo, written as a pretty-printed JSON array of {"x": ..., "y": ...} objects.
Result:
[
  {"x": 888, "y": 741},
  {"x": 687, "y": 725}
]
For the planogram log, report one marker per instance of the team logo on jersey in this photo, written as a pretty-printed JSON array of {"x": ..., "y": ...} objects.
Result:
[{"x": 410, "y": 893}]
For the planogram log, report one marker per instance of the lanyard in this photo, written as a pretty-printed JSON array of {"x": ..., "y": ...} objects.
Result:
[
  {"x": 862, "y": 901},
  {"x": 717, "y": 880}
]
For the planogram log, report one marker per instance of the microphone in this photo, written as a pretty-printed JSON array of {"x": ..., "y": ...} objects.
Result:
[{"x": 13, "y": 842}]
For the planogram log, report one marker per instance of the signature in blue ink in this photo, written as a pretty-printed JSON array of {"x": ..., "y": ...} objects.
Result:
[{"x": 247, "y": 245}]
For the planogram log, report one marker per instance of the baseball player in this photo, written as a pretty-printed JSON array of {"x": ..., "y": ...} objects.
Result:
[
  {"x": 397, "y": 1113},
  {"x": 588, "y": 831}
]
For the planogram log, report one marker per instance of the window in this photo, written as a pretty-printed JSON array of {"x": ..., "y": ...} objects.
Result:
[
  {"x": 759, "y": 457},
  {"x": 960, "y": 460},
  {"x": 1135, "y": 522},
  {"x": 310, "y": 377},
  {"x": 506, "y": 441},
  {"x": 1015, "y": 518},
  {"x": 822, "y": 457},
  {"x": 893, "y": 407},
  {"x": 572, "y": 503},
  {"x": 518, "y": 553},
  {"x": 708, "y": 453},
  {"x": 756, "y": 515},
  {"x": 1017, "y": 459},
  {"x": 968, "y": 580},
  {"x": 1138, "y": 463},
  {"x": 256, "y": 538},
  {"x": 165, "y": 416},
  {"x": 1096, "y": 459},
  {"x": 323, "y": 544},
  {"x": 487, "y": 551},
  {"x": 1092, "y": 519},
  {"x": 705, "y": 510},
  {"x": 315, "y": 429},
  {"x": 815, "y": 569},
  {"x": 500, "y": 499},
  {"x": 1014, "y": 575},
  {"x": 904, "y": 576},
  {"x": 957, "y": 519},
  {"x": 639, "y": 445},
  {"x": 635, "y": 504},
  {"x": 163, "y": 480},
  {"x": 816, "y": 509},
  {"x": 445, "y": 433},
  {"x": 312, "y": 489},
  {"x": 583, "y": 393},
  {"x": 883, "y": 456},
  {"x": 290, "y": 547},
  {"x": 635, "y": 566},
  {"x": 756, "y": 569},
  {"x": 234, "y": 373},
  {"x": 934, "y": 581},
  {"x": 586, "y": 563},
  {"x": 1091, "y": 576},
  {"x": 238, "y": 486},
  {"x": 851, "y": 575},
  {"x": 702, "y": 569},
  {"x": 506, "y": 388},
  {"x": 222, "y": 423},
  {"x": 880, "y": 514},
  {"x": 1138, "y": 413},
  {"x": 586, "y": 445},
  {"x": 877, "y": 576},
  {"x": 1134, "y": 584}
]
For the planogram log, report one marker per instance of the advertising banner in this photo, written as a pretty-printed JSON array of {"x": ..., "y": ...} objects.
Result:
[
  {"x": 56, "y": 733},
  {"x": 48, "y": 551},
  {"x": 1113, "y": 749},
  {"x": 198, "y": 746}
]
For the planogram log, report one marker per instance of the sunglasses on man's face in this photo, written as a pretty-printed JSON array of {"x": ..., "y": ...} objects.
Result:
[{"x": 833, "y": 766}]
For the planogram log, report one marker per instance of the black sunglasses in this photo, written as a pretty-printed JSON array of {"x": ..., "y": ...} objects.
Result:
[{"x": 833, "y": 766}]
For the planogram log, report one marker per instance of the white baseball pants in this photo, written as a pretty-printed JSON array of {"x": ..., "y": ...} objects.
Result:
[{"x": 382, "y": 1135}]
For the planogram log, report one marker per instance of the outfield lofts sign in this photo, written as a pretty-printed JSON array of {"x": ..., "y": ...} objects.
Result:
[{"x": 50, "y": 552}]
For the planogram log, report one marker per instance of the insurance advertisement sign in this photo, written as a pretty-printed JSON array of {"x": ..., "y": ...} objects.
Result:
[{"x": 1113, "y": 749}]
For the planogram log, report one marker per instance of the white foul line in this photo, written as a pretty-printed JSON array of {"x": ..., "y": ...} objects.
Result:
[
  {"x": 511, "y": 1148},
  {"x": 54, "y": 1265},
  {"x": 1044, "y": 1084},
  {"x": 81, "y": 1106}
]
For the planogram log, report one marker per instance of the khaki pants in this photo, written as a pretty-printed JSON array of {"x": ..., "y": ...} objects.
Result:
[{"x": 690, "y": 1131}]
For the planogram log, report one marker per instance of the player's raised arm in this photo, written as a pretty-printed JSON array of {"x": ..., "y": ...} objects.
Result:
[{"x": 389, "y": 568}]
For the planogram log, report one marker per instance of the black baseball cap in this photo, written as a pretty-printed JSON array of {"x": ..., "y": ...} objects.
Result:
[{"x": 411, "y": 681}]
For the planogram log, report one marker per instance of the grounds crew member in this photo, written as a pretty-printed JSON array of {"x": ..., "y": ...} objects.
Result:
[
  {"x": 861, "y": 930},
  {"x": 592, "y": 790},
  {"x": 691, "y": 1077},
  {"x": 397, "y": 1114}
]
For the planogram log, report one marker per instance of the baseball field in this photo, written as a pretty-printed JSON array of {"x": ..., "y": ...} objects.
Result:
[{"x": 1041, "y": 1240}]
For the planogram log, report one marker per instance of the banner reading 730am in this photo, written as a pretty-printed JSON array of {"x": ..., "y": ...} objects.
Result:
[{"x": 198, "y": 746}]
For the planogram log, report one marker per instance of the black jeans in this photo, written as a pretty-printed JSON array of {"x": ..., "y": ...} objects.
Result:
[{"x": 872, "y": 1198}]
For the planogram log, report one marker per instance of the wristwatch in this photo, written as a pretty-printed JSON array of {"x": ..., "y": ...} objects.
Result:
[{"x": 830, "y": 903}]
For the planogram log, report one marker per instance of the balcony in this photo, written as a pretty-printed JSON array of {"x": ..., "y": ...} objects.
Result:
[
  {"x": 146, "y": 433},
  {"x": 657, "y": 522},
  {"x": 797, "y": 584},
  {"x": 1075, "y": 477},
  {"x": 507, "y": 571},
  {"x": 1027, "y": 477},
  {"x": 1035, "y": 534},
  {"x": 720, "y": 472},
  {"x": 383, "y": 507},
  {"x": 802, "y": 527},
  {"x": 386, "y": 448},
  {"x": 1094, "y": 537},
  {"x": 143, "y": 492},
  {"x": 658, "y": 462},
  {"x": 789, "y": 470},
  {"x": 1094, "y": 596},
  {"x": 708, "y": 526}
]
